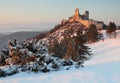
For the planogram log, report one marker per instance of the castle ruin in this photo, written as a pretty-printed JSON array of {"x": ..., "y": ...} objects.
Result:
[{"x": 84, "y": 19}]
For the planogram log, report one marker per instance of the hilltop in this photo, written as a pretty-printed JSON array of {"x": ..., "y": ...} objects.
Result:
[{"x": 74, "y": 22}]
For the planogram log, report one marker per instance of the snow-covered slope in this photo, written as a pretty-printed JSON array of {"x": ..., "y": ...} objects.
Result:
[{"x": 103, "y": 67}]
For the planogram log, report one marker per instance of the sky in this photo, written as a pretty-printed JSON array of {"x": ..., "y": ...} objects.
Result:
[{"x": 53, "y": 11}]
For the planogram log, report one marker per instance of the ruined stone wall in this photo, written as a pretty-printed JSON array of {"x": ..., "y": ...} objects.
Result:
[{"x": 84, "y": 19}]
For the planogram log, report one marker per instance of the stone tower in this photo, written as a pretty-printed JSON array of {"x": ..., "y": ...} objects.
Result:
[
  {"x": 86, "y": 15},
  {"x": 76, "y": 14}
]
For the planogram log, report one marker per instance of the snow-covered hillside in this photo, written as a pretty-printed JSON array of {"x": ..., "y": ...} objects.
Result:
[{"x": 103, "y": 67}]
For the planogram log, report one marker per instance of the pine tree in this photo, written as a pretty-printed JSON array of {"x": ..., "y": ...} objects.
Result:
[
  {"x": 92, "y": 34},
  {"x": 4, "y": 54},
  {"x": 76, "y": 49},
  {"x": 111, "y": 29},
  {"x": 54, "y": 48}
]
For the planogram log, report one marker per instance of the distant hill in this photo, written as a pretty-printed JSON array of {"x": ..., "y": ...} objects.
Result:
[
  {"x": 1, "y": 35},
  {"x": 18, "y": 35}
]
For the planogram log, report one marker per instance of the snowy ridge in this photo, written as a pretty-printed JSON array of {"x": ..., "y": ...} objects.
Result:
[{"x": 103, "y": 67}]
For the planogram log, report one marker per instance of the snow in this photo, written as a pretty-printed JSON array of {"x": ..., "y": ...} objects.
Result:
[{"x": 103, "y": 67}]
